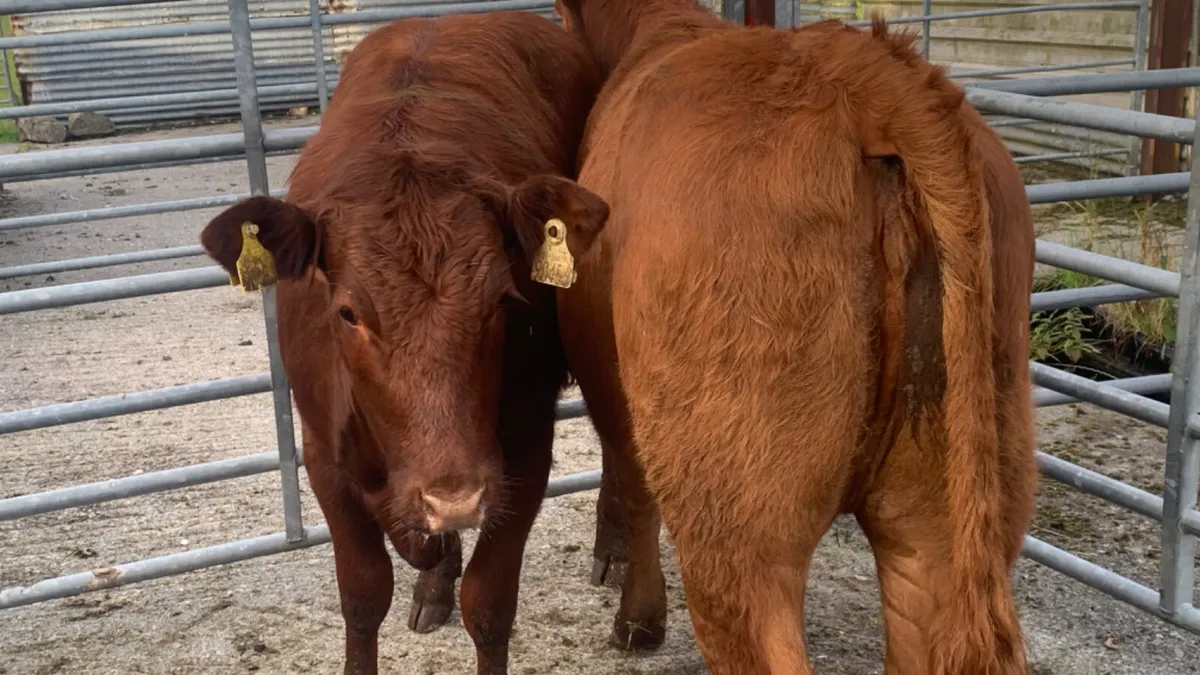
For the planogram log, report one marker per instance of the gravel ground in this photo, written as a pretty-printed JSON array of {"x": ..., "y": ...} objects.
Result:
[{"x": 279, "y": 614}]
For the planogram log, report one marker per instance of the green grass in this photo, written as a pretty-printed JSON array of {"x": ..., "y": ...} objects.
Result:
[
  {"x": 8, "y": 131},
  {"x": 1127, "y": 228}
]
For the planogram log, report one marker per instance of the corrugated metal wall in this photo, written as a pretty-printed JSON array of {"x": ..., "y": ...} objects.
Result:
[
  {"x": 182, "y": 64},
  {"x": 346, "y": 37}
]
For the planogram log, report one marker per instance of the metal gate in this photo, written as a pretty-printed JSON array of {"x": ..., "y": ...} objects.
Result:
[{"x": 1173, "y": 601}]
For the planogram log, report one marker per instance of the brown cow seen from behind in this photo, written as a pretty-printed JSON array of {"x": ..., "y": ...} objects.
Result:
[
  {"x": 811, "y": 298},
  {"x": 425, "y": 363}
]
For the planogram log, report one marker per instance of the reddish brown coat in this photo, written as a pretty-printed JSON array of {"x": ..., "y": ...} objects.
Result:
[
  {"x": 814, "y": 294},
  {"x": 425, "y": 364}
]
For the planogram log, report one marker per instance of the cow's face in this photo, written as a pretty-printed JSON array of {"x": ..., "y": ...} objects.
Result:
[{"x": 417, "y": 295}]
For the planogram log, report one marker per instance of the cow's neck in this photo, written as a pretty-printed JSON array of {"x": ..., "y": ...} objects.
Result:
[{"x": 615, "y": 27}]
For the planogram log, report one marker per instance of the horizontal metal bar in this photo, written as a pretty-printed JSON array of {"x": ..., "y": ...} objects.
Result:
[
  {"x": 161, "y": 566},
  {"x": 208, "y": 472},
  {"x": 1039, "y": 194},
  {"x": 1108, "y": 582},
  {"x": 1146, "y": 384},
  {"x": 68, "y": 217},
  {"x": 1055, "y": 156},
  {"x": 1101, "y": 394},
  {"x": 1110, "y": 490},
  {"x": 1096, "y": 83},
  {"x": 1103, "y": 118},
  {"x": 221, "y": 554},
  {"x": 121, "y": 154},
  {"x": 69, "y": 295},
  {"x": 1142, "y": 276},
  {"x": 128, "y": 404},
  {"x": 189, "y": 29},
  {"x": 1102, "y": 188},
  {"x": 1160, "y": 281},
  {"x": 1042, "y": 69},
  {"x": 1011, "y": 123},
  {"x": 36, "y": 6},
  {"x": 123, "y": 102},
  {"x": 147, "y": 166},
  {"x": 141, "y": 484},
  {"x": 572, "y": 483},
  {"x": 1029, "y": 9},
  {"x": 97, "y": 261},
  {"x": 1092, "y": 296}
]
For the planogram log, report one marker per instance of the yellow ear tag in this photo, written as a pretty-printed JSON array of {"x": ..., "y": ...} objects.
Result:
[
  {"x": 552, "y": 263},
  {"x": 255, "y": 267}
]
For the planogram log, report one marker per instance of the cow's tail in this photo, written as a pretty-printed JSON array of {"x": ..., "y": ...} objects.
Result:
[{"x": 977, "y": 631}]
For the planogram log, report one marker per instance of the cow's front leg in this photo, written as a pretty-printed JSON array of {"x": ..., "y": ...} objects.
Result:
[
  {"x": 439, "y": 560},
  {"x": 364, "y": 568},
  {"x": 489, "y": 586}
]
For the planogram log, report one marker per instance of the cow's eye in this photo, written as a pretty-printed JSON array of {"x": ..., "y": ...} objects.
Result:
[{"x": 348, "y": 315}]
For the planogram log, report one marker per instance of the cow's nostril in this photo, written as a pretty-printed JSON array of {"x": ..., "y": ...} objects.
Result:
[{"x": 449, "y": 511}]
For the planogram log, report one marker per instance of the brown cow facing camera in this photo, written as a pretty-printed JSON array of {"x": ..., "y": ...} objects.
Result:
[
  {"x": 811, "y": 298},
  {"x": 425, "y": 362}
]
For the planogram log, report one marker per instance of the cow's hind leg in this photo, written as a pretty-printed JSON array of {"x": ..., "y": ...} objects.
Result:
[
  {"x": 610, "y": 554},
  {"x": 905, "y": 517},
  {"x": 641, "y": 621},
  {"x": 747, "y": 609}
]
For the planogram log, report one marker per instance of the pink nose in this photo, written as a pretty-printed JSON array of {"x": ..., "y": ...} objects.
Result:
[{"x": 447, "y": 512}]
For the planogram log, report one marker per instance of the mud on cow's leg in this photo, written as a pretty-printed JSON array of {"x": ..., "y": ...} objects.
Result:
[{"x": 439, "y": 560}]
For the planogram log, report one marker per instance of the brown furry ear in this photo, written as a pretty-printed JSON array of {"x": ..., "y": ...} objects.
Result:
[
  {"x": 547, "y": 196},
  {"x": 286, "y": 231}
]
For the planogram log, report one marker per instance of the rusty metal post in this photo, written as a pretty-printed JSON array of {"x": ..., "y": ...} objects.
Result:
[
  {"x": 760, "y": 13},
  {"x": 1170, "y": 25}
]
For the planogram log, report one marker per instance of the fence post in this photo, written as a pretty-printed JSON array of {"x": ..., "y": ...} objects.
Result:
[
  {"x": 256, "y": 164},
  {"x": 1141, "y": 37},
  {"x": 1182, "y": 468},
  {"x": 927, "y": 9},
  {"x": 314, "y": 11}
]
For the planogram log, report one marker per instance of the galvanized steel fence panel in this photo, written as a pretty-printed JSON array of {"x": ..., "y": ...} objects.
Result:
[{"x": 249, "y": 78}]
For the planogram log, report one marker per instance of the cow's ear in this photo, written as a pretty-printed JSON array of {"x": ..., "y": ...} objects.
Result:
[
  {"x": 537, "y": 200},
  {"x": 284, "y": 230}
]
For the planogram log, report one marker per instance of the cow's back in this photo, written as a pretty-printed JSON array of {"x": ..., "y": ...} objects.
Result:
[
  {"x": 535, "y": 84},
  {"x": 729, "y": 203}
]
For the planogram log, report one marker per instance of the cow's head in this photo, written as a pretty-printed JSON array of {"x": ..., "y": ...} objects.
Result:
[{"x": 413, "y": 289}]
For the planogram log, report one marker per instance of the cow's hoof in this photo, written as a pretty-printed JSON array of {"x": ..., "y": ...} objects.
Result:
[
  {"x": 433, "y": 601},
  {"x": 633, "y": 636},
  {"x": 609, "y": 571}
]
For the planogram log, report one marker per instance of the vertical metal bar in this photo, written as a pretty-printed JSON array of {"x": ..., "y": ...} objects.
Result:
[
  {"x": 733, "y": 10},
  {"x": 256, "y": 164},
  {"x": 1183, "y": 456},
  {"x": 927, "y": 9},
  {"x": 1141, "y": 37},
  {"x": 314, "y": 11}
]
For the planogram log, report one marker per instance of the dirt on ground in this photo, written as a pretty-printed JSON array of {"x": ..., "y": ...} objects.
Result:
[{"x": 279, "y": 615}]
